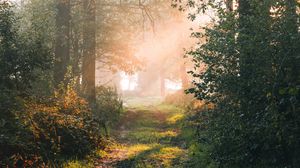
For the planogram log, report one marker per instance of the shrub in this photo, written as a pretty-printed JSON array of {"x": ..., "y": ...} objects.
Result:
[
  {"x": 51, "y": 129},
  {"x": 108, "y": 105}
]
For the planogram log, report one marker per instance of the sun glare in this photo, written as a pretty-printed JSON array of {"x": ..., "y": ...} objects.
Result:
[{"x": 128, "y": 82}]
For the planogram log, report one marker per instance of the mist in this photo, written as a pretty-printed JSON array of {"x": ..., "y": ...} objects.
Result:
[{"x": 159, "y": 48}]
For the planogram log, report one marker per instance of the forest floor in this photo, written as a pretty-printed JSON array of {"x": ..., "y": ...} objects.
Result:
[{"x": 146, "y": 136}]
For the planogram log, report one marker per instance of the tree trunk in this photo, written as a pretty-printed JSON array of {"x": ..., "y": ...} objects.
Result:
[
  {"x": 76, "y": 57},
  {"x": 89, "y": 50},
  {"x": 62, "y": 43}
]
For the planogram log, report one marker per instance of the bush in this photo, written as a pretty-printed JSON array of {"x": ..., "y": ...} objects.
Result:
[
  {"x": 251, "y": 60},
  {"x": 15, "y": 138},
  {"x": 51, "y": 129},
  {"x": 108, "y": 105},
  {"x": 38, "y": 125}
]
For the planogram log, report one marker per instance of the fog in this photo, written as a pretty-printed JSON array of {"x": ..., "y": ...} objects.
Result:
[{"x": 160, "y": 50}]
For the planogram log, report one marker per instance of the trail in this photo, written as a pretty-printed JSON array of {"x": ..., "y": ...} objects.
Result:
[{"x": 146, "y": 137}]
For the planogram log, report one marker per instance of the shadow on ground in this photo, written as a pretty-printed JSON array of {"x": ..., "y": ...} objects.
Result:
[{"x": 148, "y": 136}]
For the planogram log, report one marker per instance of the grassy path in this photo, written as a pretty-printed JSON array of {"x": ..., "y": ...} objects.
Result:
[{"x": 146, "y": 137}]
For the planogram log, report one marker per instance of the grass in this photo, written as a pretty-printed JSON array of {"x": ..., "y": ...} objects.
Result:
[
  {"x": 175, "y": 118},
  {"x": 78, "y": 164},
  {"x": 147, "y": 136},
  {"x": 141, "y": 101},
  {"x": 151, "y": 134}
]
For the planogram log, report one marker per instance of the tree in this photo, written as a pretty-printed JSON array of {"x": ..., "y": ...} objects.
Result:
[
  {"x": 21, "y": 56},
  {"x": 62, "y": 43},
  {"x": 89, "y": 50},
  {"x": 247, "y": 79}
]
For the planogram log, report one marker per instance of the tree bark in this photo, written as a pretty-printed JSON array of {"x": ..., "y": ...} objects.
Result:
[
  {"x": 89, "y": 50},
  {"x": 62, "y": 43}
]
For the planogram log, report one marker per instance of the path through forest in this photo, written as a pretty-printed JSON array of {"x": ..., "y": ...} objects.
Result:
[{"x": 146, "y": 136}]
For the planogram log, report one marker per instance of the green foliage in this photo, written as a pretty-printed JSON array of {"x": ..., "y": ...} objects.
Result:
[
  {"x": 66, "y": 123},
  {"x": 51, "y": 129},
  {"x": 251, "y": 76},
  {"x": 19, "y": 58},
  {"x": 15, "y": 138},
  {"x": 108, "y": 105},
  {"x": 38, "y": 125}
]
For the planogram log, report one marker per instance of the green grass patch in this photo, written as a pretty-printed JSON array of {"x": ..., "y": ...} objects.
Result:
[
  {"x": 169, "y": 108},
  {"x": 151, "y": 135},
  {"x": 156, "y": 156},
  {"x": 78, "y": 164}
]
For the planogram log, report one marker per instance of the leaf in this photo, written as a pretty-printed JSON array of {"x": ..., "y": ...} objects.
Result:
[{"x": 282, "y": 91}]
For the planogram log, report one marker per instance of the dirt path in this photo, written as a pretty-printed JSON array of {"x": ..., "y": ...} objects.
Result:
[{"x": 146, "y": 137}]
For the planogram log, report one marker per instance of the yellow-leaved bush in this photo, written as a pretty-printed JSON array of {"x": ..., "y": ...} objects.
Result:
[{"x": 62, "y": 125}]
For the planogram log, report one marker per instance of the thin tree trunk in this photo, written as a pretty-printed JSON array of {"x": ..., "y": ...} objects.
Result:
[{"x": 76, "y": 58}]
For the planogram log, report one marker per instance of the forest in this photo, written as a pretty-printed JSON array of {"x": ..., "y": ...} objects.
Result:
[{"x": 150, "y": 83}]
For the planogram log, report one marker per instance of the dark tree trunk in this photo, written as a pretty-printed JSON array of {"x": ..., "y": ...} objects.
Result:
[
  {"x": 89, "y": 50},
  {"x": 62, "y": 43}
]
